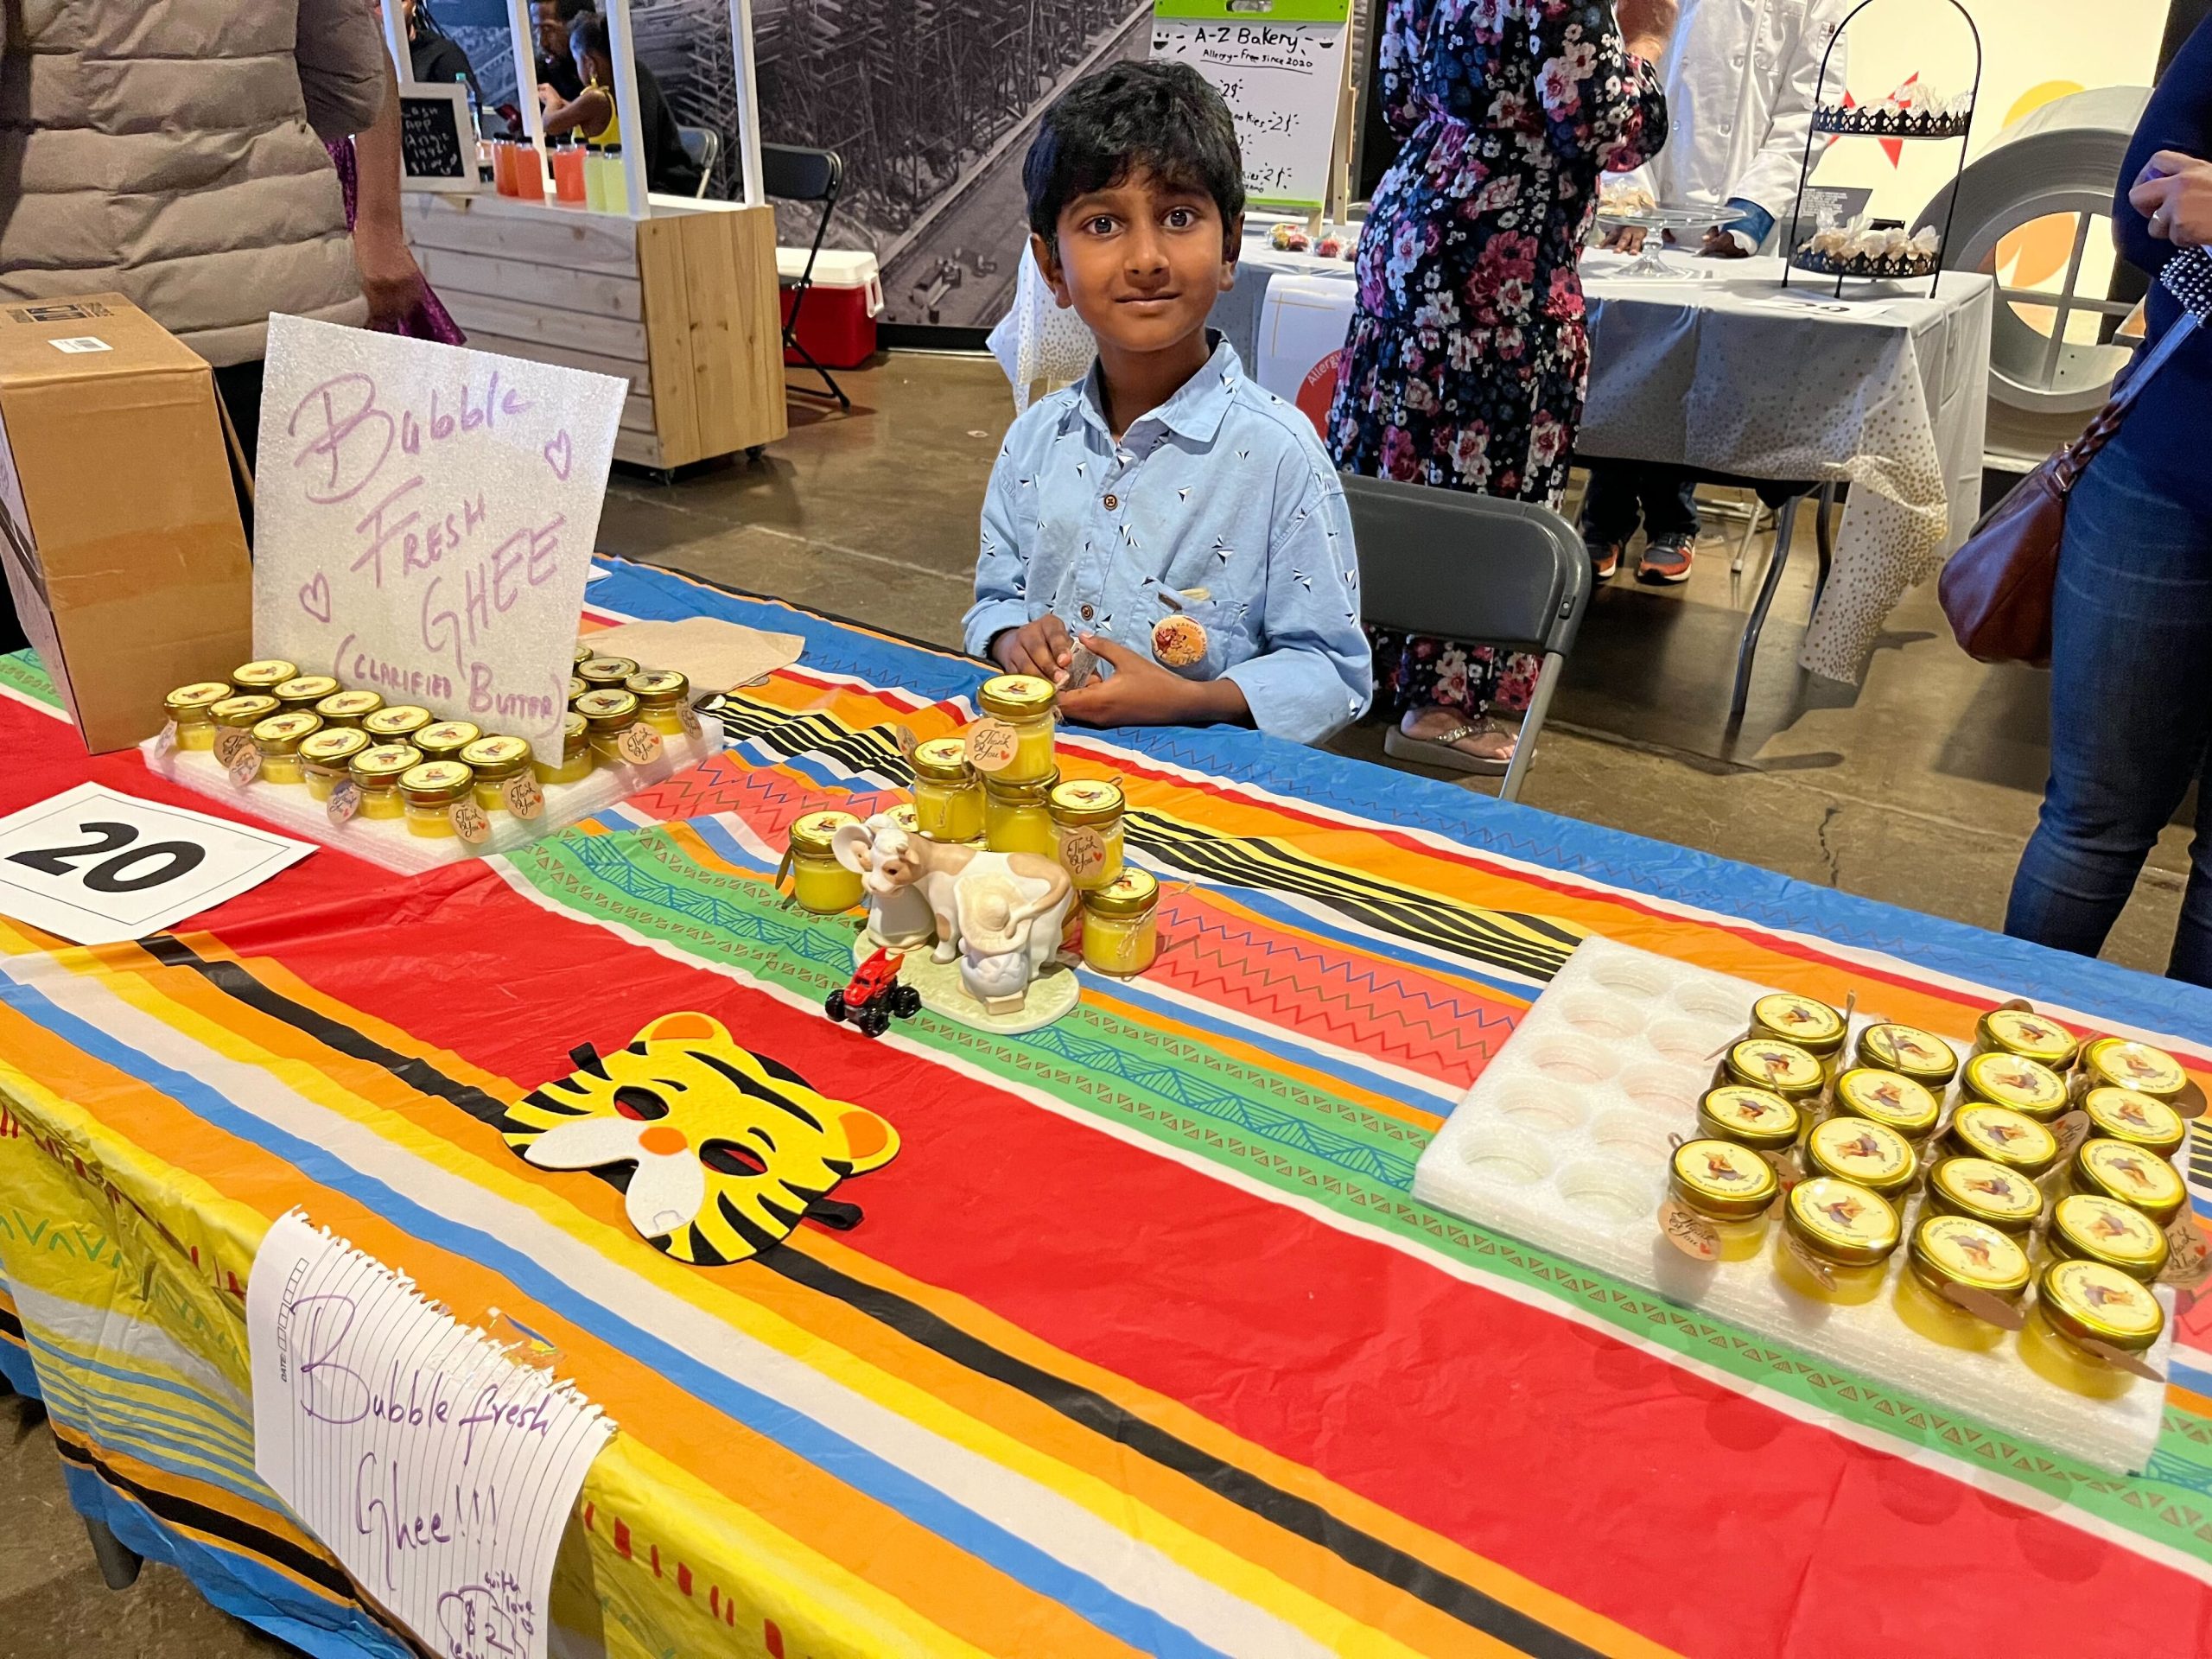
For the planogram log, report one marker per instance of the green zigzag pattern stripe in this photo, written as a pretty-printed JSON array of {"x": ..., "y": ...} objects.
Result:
[{"x": 21, "y": 671}]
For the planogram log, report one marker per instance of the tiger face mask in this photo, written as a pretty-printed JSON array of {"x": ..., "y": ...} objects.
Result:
[{"x": 731, "y": 1149}]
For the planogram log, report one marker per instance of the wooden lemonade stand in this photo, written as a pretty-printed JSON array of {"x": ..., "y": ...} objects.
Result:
[{"x": 676, "y": 295}]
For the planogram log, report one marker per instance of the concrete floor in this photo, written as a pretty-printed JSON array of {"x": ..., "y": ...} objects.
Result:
[{"x": 1918, "y": 787}]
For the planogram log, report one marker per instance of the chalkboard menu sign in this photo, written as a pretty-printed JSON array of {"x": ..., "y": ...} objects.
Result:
[{"x": 437, "y": 146}]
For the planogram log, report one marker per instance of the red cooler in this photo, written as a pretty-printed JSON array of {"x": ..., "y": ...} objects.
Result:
[{"x": 838, "y": 325}]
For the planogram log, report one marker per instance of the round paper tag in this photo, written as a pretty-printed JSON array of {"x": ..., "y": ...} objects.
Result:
[
  {"x": 1179, "y": 641},
  {"x": 165, "y": 741},
  {"x": 2070, "y": 1131},
  {"x": 2135, "y": 1364},
  {"x": 1820, "y": 1272},
  {"x": 243, "y": 761},
  {"x": 524, "y": 799},
  {"x": 1082, "y": 852},
  {"x": 1983, "y": 1306},
  {"x": 905, "y": 738},
  {"x": 688, "y": 717},
  {"x": 991, "y": 745},
  {"x": 640, "y": 745},
  {"x": 1785, "y": 1167},
  {"x": 345, "y": 801},
  {"x": 1689, "y": 1232},
  {"x": 2189, "y": 1257},
  {"x": 470, "y": 821}
]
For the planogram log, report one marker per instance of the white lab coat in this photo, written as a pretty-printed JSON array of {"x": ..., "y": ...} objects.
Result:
[{"x": 1741, "y": 79}]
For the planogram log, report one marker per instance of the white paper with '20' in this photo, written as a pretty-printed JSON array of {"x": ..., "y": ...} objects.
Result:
[
  {"x": 424, "y": 519},
  {"x": 438, "y": 1470}
]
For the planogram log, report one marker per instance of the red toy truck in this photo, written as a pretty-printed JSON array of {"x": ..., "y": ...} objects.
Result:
[{"x": 875, "y": 994}]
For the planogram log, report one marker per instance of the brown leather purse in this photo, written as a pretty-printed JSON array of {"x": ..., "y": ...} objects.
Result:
[{"x": 1997, "y": 590}]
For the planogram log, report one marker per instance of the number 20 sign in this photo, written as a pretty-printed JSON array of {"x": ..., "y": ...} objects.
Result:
[{"x": 98, "y": 867}]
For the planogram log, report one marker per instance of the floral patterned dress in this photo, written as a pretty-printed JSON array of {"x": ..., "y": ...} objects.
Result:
[{"x": 1467, "y": 357}]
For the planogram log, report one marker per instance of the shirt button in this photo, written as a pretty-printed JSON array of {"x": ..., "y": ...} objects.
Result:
[
  {"x": 1112, "y": 502},
  {"x": 1087, "y": 612}
]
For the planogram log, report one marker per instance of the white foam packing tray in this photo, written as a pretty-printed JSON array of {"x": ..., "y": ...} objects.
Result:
[
  {"x": 1563, "y": 1141},
  {"x": 388, "y": 841}
]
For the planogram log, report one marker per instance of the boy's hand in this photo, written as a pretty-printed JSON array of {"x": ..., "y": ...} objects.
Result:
[
  {"x": 1041, "y": 648},
  {"x": 1140, "y": 692}
]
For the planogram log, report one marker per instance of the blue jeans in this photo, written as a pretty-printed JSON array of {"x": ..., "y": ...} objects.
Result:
[
  {"x": 1621, "y": 491},
  {"x": 2130, "y": 713}
]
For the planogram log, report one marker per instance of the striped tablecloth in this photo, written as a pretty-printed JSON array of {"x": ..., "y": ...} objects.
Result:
[{"x": 1142, "y": 1345}]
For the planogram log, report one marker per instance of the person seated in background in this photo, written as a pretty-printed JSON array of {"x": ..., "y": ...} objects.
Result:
[
  {"x": 437, "y": 57},
  {"x": 1179, "y": 525},
  {"x": 558, "y": 80},
  {"x": 1741, "y": 84},
  {"x": 592, "y": 112}
]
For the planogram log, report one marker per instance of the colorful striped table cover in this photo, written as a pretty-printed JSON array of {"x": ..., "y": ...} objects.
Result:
[{"x": 1142, "y": 1345}]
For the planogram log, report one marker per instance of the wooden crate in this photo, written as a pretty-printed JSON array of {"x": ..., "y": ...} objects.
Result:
[{"x": 681, "y": 305}]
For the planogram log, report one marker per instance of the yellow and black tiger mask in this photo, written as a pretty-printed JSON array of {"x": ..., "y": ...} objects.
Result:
[{"x": 730, "y": 1150}]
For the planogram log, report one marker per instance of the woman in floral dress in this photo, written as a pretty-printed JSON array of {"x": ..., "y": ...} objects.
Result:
[{"x": 1467, "y": 357}]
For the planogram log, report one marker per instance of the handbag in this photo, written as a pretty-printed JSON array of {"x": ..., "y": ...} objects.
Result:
[{"x": 1997, "y": 590}]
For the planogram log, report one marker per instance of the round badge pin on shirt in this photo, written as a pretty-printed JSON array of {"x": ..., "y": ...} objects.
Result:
[{"x": 1179, "y": 641}]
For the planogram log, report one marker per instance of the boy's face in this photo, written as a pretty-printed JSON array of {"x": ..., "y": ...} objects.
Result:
[{"x": 1140, "y": 261}]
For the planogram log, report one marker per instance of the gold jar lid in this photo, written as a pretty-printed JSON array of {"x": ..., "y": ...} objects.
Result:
[
  {"x": 1858, "y": 1149},
  {"x": 904, "y": 817},
  {"x": 281, "y": 734},
  {"x": 436, "y": 783},
  {"x": 2140, "y": 1120},
  {"x": 1757, "y": 1118},
  {"x": 197, "y": 698},
  {"x": 1809, "y": 1023},
  {"x": 1841, "y": 1222},
  {"x": 659, "y": 688},
  {"x": 1885, "y": 1097},
  {"x": 1987, "y": 1191},
  {"x": 352, "y": 706},
  {"x": 2131, "y": 1175},
  {"x": 401, "y": 720},
  {"x": 1130, "y": 894},
  {"x": 444, "y": 739},
  {"x": 1910, "y": 1052},
  {"x": 944, "y": 760},
  {"x": 576, "y": 688},
  {"x": 1016, "y": 696},
  {"x": 334, "y": 746},
  {"x": 1958, "y": 1250},
  {"x": 608, "y": 708},
  {"x": 811, "y": 834},
  {"x": 1722, "y": 1178},
  {"x": 245, "y": 711},
  {"x": 385, "y": 764},
  {"x": 584, "y": 654},
  {"x": 2090, "y": 1227},
  {"x": 575, "y": 735},
  {"x": 2127, "y": 1064},
  {"x": 2092, "y": 1299},
  {"x": 2003, "y": 1136},
  {"x": 496, "y": 757},
  {"x": 602, "y": 672},
  {"x": 264, "y": 676},
  {"x": 305, "y": 690},
  {"x": 1086, "y": 800},
  {"x": 2025, "y": 1085},
  {"x": 1769, "y": 1063},
  {"x": 1036, "y": 793},
  {"x": 2030, "y": 1035}
]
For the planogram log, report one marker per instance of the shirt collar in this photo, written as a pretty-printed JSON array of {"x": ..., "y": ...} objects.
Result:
[{"x": 1195, "y": 411}]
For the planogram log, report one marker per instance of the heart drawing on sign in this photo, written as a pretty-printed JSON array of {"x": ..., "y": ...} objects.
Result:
[
  {"x": 315, "y": 598},
  {"x": 556, "y": 456}
]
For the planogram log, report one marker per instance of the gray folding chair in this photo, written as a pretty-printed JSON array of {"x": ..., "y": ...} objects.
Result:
[
  {"x": 703, "y": 145},
  {"x": 1472, "y": 568}
]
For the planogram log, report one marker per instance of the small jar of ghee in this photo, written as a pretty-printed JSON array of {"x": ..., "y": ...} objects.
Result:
[
  {"x": 1016, "y": 818},
  {"x": 1955, "y": 1251},
  {"x": 278, "y": 739},
  {"x": 1730, "y": 1187},
  {"x": 1781, "y": 1068},
  {"x": 2078, "y": 1300},
  {"x": 191, "y": 707},
  {"x": 605, "y": 673},
  {"x": 608, "y": 711},
  {"x": 444, "y": 739},
  {"x": 576, "y": 757},
  {"x": 348, "y": 708},
  {"x": 428, "y": 792},
  {"x": 1121, "y": 923},
  {"x": 494, "y": 760},
  {"x": 2028, "y": 1034},
  {"x": 2002, "y": 1135},
  {"x": 1893, "y": 1102},
  {"x": 2129, "y": 1175},
  {"x": 1983, "y": 1190},
  {"x": 2027, "y": 1086},
  {"x": 1811, "y": 1024},
  {"x": 2137, "y": 1119},
  {"x": 327, "y": 757},
  {"x": 948, "y": 795},
  {"x": 396, "y": 724},
  {"x": 2089, "y": 1227},
  {"x": 378, "y": 770},
  {"x": 1859, "y": 1150},
  {"x": 584, "y": 654},
  {"x": 820, "y": 884},
  {"x": 2117, "y": 1063},
  {"x": 1908, "y": 1051},
  {"x": 1757, "y": 1118},
  {"x": 1850, "y": 1231},
  {"x": 1027, "y": 704},
  {"x": 305, "y": 690},
  {"x": 264, "y": 677},
  {"x": 576, "y": 688},
  {"x": 246, "y": 711},
  {"x": 661, "y": 694},
  {"x": 1087, "y": 830}
]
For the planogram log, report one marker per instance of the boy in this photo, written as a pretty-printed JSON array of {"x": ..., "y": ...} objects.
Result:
[{"x": 1180, "y": 524}]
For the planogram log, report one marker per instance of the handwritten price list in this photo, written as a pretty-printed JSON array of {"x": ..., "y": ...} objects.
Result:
[
  {"x": 1280, "y": 80},
  {"x": 440, "y": 1472}
]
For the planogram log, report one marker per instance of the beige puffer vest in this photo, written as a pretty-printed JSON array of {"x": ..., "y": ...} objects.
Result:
[{"x": 165, "y": 150}]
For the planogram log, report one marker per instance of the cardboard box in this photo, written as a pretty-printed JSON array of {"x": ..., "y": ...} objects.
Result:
[{"x": 118, "y": 522}]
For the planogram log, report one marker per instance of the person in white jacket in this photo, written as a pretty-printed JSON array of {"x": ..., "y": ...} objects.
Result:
[{"x": 1743, "y": 77}]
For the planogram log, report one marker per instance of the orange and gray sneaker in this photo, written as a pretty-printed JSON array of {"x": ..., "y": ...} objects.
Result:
[
  {"x": 1605, "y": 558},
  {"x": 1665, "y": 560}
]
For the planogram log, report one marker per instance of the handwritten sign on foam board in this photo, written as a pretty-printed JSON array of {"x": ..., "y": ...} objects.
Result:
[
  {"x": 437, "y": 1469},
  {"x": 424, "y": 519},
  {"x": 1279, "y": 65}
]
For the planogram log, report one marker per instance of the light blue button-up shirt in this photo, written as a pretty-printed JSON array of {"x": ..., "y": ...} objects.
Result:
[{"x": 1220, "y": 503}]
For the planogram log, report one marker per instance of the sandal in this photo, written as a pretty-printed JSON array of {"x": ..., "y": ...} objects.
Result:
[{"x": 1441, "y": 750}]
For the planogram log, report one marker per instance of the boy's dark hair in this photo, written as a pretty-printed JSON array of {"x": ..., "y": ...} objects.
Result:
[{"x": 1163, "y": 117}]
